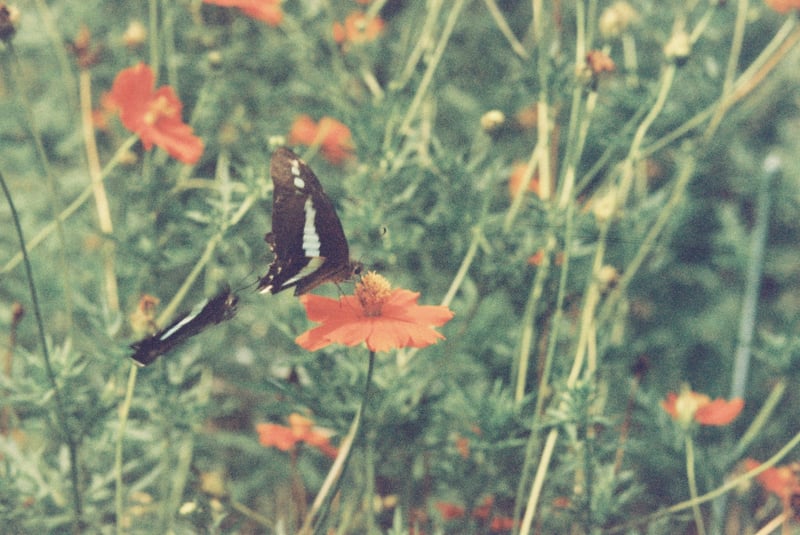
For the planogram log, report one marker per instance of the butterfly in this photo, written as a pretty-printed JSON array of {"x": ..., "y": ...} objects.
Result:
[
  {"x": 209, "y": 312},
  {"x": 307, "y": 238}
]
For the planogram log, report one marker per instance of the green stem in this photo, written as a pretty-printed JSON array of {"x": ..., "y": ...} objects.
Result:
[
  {"x": 61, "y": 413},
  {"x": 52, "y": 183},
  {"x": 124, "y": 411},
  {"x": 334, "y": 479},
  {"x": 427, "y": 78},
  {"x": 73, "y": 206},
  {"x": 690, "y": 475}
]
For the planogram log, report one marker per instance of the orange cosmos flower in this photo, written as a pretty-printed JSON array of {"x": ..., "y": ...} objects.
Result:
[
  {"x": 268, "y": 11},
  {"x": 154, "y": 114},
  {"x": 783, "y": 6},
  {"x": 689, "y": 406},
  {"x": 782, "y": 481},
  {"x": 300, "y": 429},
  {"x": 381, "y": 317},
  {"x": 356, "y": 29},
  {"x": 332, "y": 136}
]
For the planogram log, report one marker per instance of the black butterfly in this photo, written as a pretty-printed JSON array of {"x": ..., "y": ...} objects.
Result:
[
  {"x": 210, "y": 312},
  {"x": 307, "y": 237}
]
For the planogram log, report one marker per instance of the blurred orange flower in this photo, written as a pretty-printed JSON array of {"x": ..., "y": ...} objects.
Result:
[
  {"x": 332, "y": 136},
  {"x": 449, "y": 511},
  {"x": 268, "y": 11},
  {"x": 783, "y": 6},
  {"x": 356, "y": 29},
  {"x": 300, "y": 429},
  {"x": 382, "y": 318},
  {"x": 515, "y": 180},
  {"x": 782, "y": 481},
  {"x": 599, "y": 62},
  {"x": 691, "y": 406},
  {"x": 154, "y": 114}
]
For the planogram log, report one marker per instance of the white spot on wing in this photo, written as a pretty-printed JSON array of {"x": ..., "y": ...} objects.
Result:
[
  {"x": 311, "y": 242},
  {"x": 295, "y": 169}
]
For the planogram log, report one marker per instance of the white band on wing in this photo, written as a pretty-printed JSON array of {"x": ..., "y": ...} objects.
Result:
[{"x": 311, "y": 242}]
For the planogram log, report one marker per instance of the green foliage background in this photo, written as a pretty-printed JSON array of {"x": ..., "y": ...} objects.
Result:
[{"x": 418, "y": 205}]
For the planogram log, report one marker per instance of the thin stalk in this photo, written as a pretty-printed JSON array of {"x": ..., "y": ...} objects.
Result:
[
  {"x": 427, "y": 78},
  {"x": 65, "y": 214},
  {"x": 543, "y": 388},
  {"x": 333, "y": 480},
  {"x": 753, "y": 281},
  {"x": 124, "y": 411},
  {"x": 100, "y": 197},
  {"x": 505, "y": 29},
  {"x": 61, "y": 412},
  {"x": 692, "y": 479},
  {"x": 729, "y": 485},
  {"x": 52, "y": 183},
  {"x": 733, "y": 59},
  {"x": 528, "y": 335}
]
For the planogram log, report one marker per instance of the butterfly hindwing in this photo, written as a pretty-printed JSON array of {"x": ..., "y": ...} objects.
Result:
[
  {"x": 307, "y": 237},
  {"x": 210, "y": 312}
]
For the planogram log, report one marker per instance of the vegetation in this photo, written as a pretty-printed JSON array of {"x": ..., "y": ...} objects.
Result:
[{"x": 603, "y": 194}]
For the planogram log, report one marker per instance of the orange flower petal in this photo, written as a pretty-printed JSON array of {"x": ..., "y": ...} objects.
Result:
[
  {"x": 154, "y": 115},
  {"x": 401, "y": 323},
  {"x": 783, "y": 6},
  {"x": 719, "y": 412},
  {"x": 268, "y": 11},
  {"x": 276, "y": 436},
  {"x": 449, "y": 511},
  {"x": 303, "y": 131}
]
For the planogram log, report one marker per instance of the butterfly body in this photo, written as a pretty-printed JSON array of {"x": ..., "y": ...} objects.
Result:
[
  {"x": 307, "y": 237},
  {"x": 220, "y": 308}
]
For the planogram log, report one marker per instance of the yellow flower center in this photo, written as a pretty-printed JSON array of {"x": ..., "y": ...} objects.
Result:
[
  {"x": 158, "y": 108},
  {"x": 372, "y": 292}
]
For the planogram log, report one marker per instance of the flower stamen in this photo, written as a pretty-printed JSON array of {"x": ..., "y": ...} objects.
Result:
[{"x": 372, "y": 293}]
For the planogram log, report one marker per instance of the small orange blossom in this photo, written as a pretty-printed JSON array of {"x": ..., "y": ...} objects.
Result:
[
  {"x": 356, "y": 29},
  {"x": 381, "y": 317},
  {"x": 268, "y": 11},
  {"x": 333, "y": 137},
  {"x": 691, "y": 406},
  {"x": 154, "y": 114},
  {"x": 783, "y": 6},
  {"x": 300, "y": 429}
]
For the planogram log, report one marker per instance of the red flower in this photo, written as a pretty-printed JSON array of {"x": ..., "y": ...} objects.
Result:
[
  {"x": 154, "y": 114},
  {"x": 356, "y": 29},
  {"x": 501, "y": 523},
  {"x": 268, "y": 11},
  {"x": 301, "y": 429},
  {"x": 383, "y": 318},
  {"x": 783, "y": 6},
  {"x": 332, "y": 136},
  {"x": 482, "y": 511},
  {"x": 692, "y": 406},
  {"x": 449, "y": 511}
]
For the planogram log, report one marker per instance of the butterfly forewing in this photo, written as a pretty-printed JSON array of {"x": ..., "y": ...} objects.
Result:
[{"x": 307, "y": 237}]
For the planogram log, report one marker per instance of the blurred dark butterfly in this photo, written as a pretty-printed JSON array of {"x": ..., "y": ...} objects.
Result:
[
  {"x": 209, "y": 312},
  {"x": 307, "y": 237}
]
